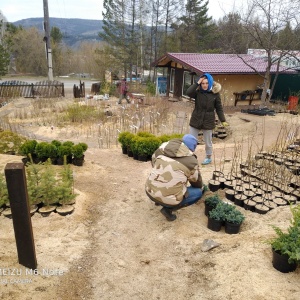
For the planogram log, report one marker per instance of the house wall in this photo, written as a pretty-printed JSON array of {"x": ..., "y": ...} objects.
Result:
[
  {"x": 236, "y": 84},
  {"x": 230, "y": 84}
]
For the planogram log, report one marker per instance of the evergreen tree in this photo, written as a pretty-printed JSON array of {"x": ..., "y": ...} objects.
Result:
[
  {"x": 117, "y": 32},
  {"x": 232, "y": 34},
  {"x": 4, "y": 53},
  {"x": 195, "y": 27}
]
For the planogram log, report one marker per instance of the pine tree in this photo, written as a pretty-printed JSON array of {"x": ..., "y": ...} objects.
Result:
[{"x": 194, "y": 28}]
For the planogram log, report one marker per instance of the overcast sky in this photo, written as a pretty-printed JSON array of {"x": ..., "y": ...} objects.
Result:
[{"x": 15, "y": 10}]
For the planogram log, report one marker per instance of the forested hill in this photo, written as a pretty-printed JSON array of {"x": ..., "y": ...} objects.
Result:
[{"x": 74, "y": 30}]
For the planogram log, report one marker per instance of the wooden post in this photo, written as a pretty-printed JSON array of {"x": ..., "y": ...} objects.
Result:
[{"x": 18, "y": 198}]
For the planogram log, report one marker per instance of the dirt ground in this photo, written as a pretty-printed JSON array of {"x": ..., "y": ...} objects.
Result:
[{"x": 117, "y": 245}]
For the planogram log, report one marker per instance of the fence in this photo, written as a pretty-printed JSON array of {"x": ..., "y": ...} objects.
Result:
[{"x": 16, "y": 88}]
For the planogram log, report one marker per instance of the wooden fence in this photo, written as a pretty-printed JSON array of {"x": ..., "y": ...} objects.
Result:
[{"x": 16, "y": 88}]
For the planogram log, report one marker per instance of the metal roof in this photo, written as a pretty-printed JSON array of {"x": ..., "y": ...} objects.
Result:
[{"x": 219, "y": 63}]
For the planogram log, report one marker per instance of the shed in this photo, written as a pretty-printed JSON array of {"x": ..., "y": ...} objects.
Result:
[{"x": 234, "y": 72}]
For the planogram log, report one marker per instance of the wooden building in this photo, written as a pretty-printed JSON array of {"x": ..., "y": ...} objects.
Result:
[{"x": 234, "y": 72}]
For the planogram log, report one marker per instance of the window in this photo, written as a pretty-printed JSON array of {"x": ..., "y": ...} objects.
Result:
[
  {"x": 172, "y": 79},
  {"x": 188, "y": 79}
]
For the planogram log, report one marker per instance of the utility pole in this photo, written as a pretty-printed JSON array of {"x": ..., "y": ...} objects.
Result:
[{"x": 47, "y": 40}]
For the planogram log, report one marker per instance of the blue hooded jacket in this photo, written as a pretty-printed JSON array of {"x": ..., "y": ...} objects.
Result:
[{"x": 210, "y": 81}]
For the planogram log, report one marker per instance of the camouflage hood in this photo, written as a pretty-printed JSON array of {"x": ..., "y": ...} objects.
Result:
[{"x": 175, "y": 148}]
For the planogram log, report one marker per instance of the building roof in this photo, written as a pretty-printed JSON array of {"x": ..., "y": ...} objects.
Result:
[{"x": 219, "y": 63}]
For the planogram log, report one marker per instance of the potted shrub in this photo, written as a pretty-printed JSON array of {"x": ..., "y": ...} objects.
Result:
[
  {"x": 216, "y": 217},
  {"x": 65, "y": 192},
  {"x": 134, "y": 145},
  {"x": 28, "y": 148},
  {"x": 286, "y": 245},
  {"x": 46, "y": 150},
  {"x": 211, "y": 202},
  {"x": 143, "y": 148},
  {"x": 78, "y": 155},
  {"x": 33, "y": 175},
  {"x": 47, "y": 189},
  {"x": 146, "y": 146},
  {"x": 63, "y": 151},
  {"x": 153, "y": 144},
  {"x": 123, "y": 141},
  {"x": 233, "y": 221}
]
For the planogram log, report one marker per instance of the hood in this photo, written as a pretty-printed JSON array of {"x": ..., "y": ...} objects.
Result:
[
  {"x": 210, "y": 81},
  {"x": 213, "y": 86},
  {"x": 216, "y": 87},
  {"x": 175, "y": 148}
]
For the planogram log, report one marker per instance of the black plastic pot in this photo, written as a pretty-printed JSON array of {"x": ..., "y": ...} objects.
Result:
[
  {"x": 249, "y": 205},
  {"x": 78, "y": 161},
  {"x": 213, "y": 185},
  {"x": 214, "y": 225},
  {"x": 124, "y": 150},
  {"x": 239, "y": 199},
  {"x": 222, "y": 181},
  {"x": 217, "y": 174},
  {"x": 207, "y": 209},
  {"x": 232, "y": 228},
  {"x": 143, "y": 157},
  {"x": 280, "y": 263},
  {"x": 129, "y": 153},
  {"x": 229, "y": 194},
  {"x": 261, "y": 209}
]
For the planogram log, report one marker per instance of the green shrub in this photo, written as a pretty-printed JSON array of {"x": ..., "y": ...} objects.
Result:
[
  {"x": 63, "y": 150},
  {"x": 3, "y": 191},
  {"x": 77, "y": 151},
  {"x": 56, "y": 143},
  {"x": 145, "y": 134},
  {"x": 151, "y": 88},
  {"x": 128, "y": 140},
  {"x": 28, "y": 147},
  {"x": 166, "y": 137},
  {"x": 84, "y": 146},
  {"x": 212, "y": 201},
  {"x": 217, "y": 213},
  {"x": 122, "y": 139},
  {"x": 288, "y": 243},
  {"x": 224, "y": 211},
  {"x": 45, "y": 150},
  {"x": 234, "y": 216},
  {"x": 134, "y": 144},
  {"x": 10, "y": 142}
]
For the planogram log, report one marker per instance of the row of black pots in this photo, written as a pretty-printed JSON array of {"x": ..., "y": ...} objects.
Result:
[
  {"x": 58, "y": 161},
  {"x": 249, "y": 183},
  {"x": 135, "y": 156},
  {"x": 216, "y": 225},
  {"x": 292, "y": 188},
  {"x": 260, "y": 204}
]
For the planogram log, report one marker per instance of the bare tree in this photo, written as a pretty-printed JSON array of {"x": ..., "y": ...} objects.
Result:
[{"x": 264, "y": 23}]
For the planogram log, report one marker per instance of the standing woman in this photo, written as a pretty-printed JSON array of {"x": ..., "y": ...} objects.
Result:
[{"x": 207, "y": 101}]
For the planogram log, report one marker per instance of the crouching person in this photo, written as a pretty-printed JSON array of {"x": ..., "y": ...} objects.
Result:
[{"x": 175, "y": 180}]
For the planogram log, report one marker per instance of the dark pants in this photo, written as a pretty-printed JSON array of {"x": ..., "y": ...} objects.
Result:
[{"x": 194, "y": 196}]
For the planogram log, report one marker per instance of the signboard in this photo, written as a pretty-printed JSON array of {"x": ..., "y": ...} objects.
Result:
[{"x": 161, "y": 86}]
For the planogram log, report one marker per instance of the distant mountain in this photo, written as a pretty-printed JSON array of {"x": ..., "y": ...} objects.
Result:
[{"x": 74, "y": 30}]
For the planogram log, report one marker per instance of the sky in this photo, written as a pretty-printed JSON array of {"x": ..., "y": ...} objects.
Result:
[{"x": 15, "y": 10}]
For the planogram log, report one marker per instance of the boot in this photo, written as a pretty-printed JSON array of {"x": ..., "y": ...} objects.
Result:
[{"x": 167, "y": 212}]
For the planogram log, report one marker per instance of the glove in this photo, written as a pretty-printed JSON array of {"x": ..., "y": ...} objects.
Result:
[{"x": 225, "y": 124}]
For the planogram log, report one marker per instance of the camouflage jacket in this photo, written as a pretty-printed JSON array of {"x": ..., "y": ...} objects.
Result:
[{"x": 174, "y": 166}]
